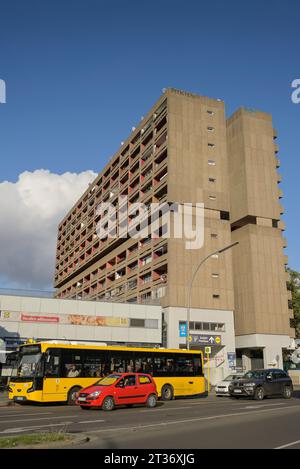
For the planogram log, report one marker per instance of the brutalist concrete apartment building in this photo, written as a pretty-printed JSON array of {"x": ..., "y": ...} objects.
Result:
[{"x": 185, "y": 151}]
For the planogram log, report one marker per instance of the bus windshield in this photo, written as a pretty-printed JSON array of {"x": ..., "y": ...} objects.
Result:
[{"x": 28, "y": 366}]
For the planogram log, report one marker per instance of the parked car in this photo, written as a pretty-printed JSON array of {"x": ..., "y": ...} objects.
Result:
[
  {"x": 119, "y": 389},
  {"x": 221, "y": 388},
  {"x": 261, "y": 383}
]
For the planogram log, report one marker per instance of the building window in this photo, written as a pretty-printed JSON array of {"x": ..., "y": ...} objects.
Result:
[
  {"x": 151, "y": 323},
  {"x": 224, "y": 215},
  {"x": 216, "y": 296},
  {"x": 211, "y": 145},
  {"x": 210, "y": 129},
  {"x": 217, "y": 327},
  {"x": 212, "y": 179},
  {"x": 211, "y": 113},
  {"x": 215, "y": 275},
  {"x": 134, "y": 322},
  {"x": 214, "y": 235},
  {"x": 211, "y": 163},
  {"x": 212, "y": 197}
]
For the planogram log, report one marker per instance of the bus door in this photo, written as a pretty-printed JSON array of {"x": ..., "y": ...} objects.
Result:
[{"x": 53, "y": 389}]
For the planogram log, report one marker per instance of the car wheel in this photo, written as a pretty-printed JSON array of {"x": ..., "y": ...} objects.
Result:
[
  {"x": 259, "y": 394},
  {"x": 151, "y": 401},
  {"x": 84, "y": 407},
  {"x": 72, "y": 395},
  {"x": 167, "y": 393},
  {"x": 108, "y": 404},
  {"x": 287, "y": 392}
]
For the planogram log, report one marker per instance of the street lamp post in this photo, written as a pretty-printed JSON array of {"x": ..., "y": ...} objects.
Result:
[{"x": 219, "y": 251}]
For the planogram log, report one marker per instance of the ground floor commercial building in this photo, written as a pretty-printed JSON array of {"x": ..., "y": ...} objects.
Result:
[
  {"x": 27, "y": 317},
  {"x": 24, "y": 317}
]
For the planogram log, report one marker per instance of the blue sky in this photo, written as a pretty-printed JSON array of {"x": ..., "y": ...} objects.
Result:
[{"x": 80, "y": 74}]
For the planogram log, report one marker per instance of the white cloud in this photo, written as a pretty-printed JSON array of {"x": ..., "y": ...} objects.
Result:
[{"x": 30, "y": 210}]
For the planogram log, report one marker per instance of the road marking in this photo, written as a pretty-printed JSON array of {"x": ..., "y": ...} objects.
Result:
[
  {"x": 25, "y": 429},
  {"x": 37, "y": 418},
  {"x": 265, "y": 405},
  {"x": 25, "y": 415},
  {"x": 90, "y": 421},
  {"x": 176, "y": 422},
  {"x": 166, "y": 409},
  {"x": 288, "y": 444}
]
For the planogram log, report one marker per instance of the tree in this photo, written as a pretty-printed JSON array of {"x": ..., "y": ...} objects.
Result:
[{"x": 294, "y": 287}]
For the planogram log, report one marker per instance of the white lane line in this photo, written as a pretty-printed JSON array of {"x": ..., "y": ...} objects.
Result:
[
  {"x": 37, "y": 418},
  {"x": 265, "y": 405},
  {"x": 24, "y": 415},
  {"x": 90, "y": 421},
  {"x": 25, "y": 429},
  {"x": 166, "y": 409},
  {"x": 288, "y": 444},
  {"x": 176, "y": 422}
]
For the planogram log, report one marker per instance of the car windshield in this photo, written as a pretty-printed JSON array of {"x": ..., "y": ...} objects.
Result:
[
  {"x": 108, "y": 380},
  {"x": 254, "y": 374},
  {"x": 231, "y": 378}
]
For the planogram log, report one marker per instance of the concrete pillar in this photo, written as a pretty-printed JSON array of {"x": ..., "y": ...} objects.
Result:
[
  {"x": 246, "y": 360},
  {"x": 272, "y": 356}
]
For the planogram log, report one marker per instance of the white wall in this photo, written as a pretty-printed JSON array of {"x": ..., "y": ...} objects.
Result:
[
  {"x": 61, "y": 308},
  {"x": 218, "y": 369},
  {"x": 271, "y": 344}
]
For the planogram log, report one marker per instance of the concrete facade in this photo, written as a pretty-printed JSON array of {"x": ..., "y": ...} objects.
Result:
[{"x": 185, "y": 150}]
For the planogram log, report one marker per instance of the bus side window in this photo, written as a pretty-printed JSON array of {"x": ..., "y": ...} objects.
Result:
[
  {"x": 197, "y": 367},
  {"x": 52, "y": 363}
]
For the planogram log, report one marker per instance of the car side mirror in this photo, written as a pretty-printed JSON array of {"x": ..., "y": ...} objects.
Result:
[
  {"x": 120, "y": 385},
  {"x": 269, "y": 377}
]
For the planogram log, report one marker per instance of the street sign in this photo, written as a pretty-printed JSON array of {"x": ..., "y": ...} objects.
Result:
[
  {"x": 190, "y": 338},
  {"x": 202, "y": 339},
  {"x": 207, "y": 350},
  {"x": 231, "y": 357}
]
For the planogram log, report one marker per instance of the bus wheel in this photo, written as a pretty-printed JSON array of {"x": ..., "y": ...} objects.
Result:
[
  {"x": 72, "y": 395},
  {"x": 167, "y": 392}
]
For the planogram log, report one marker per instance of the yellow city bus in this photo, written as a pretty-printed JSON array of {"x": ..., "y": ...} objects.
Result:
[{"x": 54, "y": 371}]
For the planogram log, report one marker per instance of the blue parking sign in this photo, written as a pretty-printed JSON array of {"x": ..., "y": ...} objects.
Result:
[{"x": 182, "y": 329}]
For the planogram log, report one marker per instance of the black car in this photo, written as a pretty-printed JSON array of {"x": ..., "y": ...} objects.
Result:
[{"x": 261, "y": 383}]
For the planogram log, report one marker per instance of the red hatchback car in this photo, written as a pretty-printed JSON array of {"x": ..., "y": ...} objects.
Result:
[{"x": 119, "y": 389}]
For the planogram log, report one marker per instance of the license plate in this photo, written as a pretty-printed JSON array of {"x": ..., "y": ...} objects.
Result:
[
  {"x": 19, "y": 398},
  {"x": 237, "y": 390},
  {"x": 81, "y": 399}
]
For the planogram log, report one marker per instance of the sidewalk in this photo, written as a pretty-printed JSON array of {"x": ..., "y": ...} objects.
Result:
[{"x": 4, "y": 402}]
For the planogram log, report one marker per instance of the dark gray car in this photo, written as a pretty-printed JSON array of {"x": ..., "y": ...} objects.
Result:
[{"x": 261, "y": 383}]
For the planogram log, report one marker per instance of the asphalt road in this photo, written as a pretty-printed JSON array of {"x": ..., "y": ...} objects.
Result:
[{"x": 186, "y": 423}]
